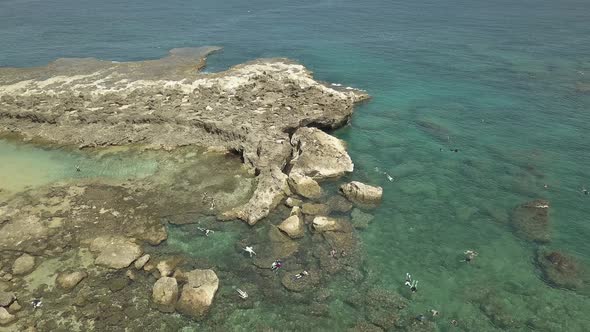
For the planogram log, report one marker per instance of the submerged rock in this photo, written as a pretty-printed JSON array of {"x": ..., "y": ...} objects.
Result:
[
  {"x": 165, "y": 294},
  {"x": 362, "y": 193},
  {"x": 141, "y": 261},
  {"x": 6, "y": 298},
  {"x": 315, "y": 209},
  {"x": 197, "y": 294},
  {"x": 291, "y": 202},
  {"x": 23, "y": 265},
  {"x": 531, "y": 221},
  {"x": 293, "y": 284},
  {"x": 562, "y": 270},
  {"x": 116, "y": 252},
  {"x": 324, "y": 224},
  {"x": 338, "y": 203},
  {"x": 360, "y": 219},
  {"x": 68, "y": 281},
  {"x": 304, "y": 185},
  {"x": 282, "y": 245}
]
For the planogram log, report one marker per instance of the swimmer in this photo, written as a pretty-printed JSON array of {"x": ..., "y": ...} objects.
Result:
[
  {"x": 585, "y": 191},
  {"x": 36, "y": 303},
  {"x": 276, "y": 265},
  {"x": 77, "y": 168},
  {"x": 408, "y": 280},
  {"x": 249, "y": 250},
  {"x": 454, "y": 322},
  {"x": 434, "y": 313},
  {"x": 206, "y": 231},
  {"x": 343, "y": 253},
  {"x": 413, "y": 284},
  {"x": 301, "y": 275},
  {"x": 546, "y": 186},
  {"x": 470, "y": 255},
  {"x": 333, "y": 253}
]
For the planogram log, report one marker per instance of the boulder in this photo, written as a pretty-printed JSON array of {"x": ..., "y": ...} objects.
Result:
[
  {"x": 116, "y": 252},
  {"x": 293, "y": 226},
  {"x": 165, "y": 294},
  {"x": 6, "y": 298},
  {"x": 361, "y": 193},
  {"x": 319, "y": 155},
  {"x": 304, "y": 185},
  {"x": 197, "y": 294},
  {"x": 6, "y": 317},
  {"x": 324, "y": 224},
  {"x": 282, "y": 245},
  {"x": 14, "y": 307},
  {"x": 68, "y": 281},
  {"x": 23, "y": 265},
  {"x": 531, "y": 221},
  {"x": 141, "y": 261},
  {"x": 315, "y": 209}
]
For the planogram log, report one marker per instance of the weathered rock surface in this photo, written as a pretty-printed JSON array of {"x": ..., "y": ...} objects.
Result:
[
  {"x": 315, "y": 209},
  {"x": 165, "y": 294},
  {"x": 338, "y": 203},
  {"x": 319, "y": 155},
  {"x": 362, "y": 193},
  {"x": 293, "y": 226},
  {"x": 291, "y": 202},
  {"x": 197, "y": 294},
  {"x": 23, "y": 265},
  {"x": 166, "y": 267},
  {"x": 249, "y": 109},
  {"x": 141, "y": 261},
  {"x": 304, "y": 185},
  {"x": 115, "y": 252},
  {"x": 360, "y": 219},
  {"x": 324, "y": 224},
  {"x": 68, "y": 281},
  {"x": 281, "y": 245},
  {"x": 531, "y": 221},
  {"x": 5, "y": 317},
  {"x": 6, "y": 298}
]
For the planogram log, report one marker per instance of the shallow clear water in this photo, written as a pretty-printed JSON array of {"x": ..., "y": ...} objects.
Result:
[{"x": 507, "y": 83}]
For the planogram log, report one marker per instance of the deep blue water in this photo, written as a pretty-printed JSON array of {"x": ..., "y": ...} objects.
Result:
[{"x": 505, "y": 82}]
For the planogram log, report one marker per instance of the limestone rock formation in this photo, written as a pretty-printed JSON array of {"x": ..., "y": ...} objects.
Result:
[
  {"x": 165, "y": 294},
  {"x": 197, "y": 294},
  {"x": 360, "y": 219},
  {"x": 319, "y": 155},
  {"x": 166, "y": 267},
  {"x": 68, "y": 281},
  {"x": 281, "y": 245},
  {"x": 531, "y": 221},
  {"x": 362, "y": 193},
  {"x": 304, "y": 185},
  {"x": 6, "y": 298},
  {"x": 116, "y": 252},
  {"x": 315, "y": 209},
  {"x": 23, "y": 265},
  {"x": 338, "y": 203}
]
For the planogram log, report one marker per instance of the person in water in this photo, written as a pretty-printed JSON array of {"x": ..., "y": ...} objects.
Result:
[
  {"x": 333, "y": 253},
  {"x": 413, "y": 284},
  {"x": 77, "y": 168},
  {"x": 276, "y": 265},
  {"x": 36, "y": 303},
  {"x": 470, "y": 255},
  {"x": 301, "y": 275},
  {"x": 585, "y": 191}
]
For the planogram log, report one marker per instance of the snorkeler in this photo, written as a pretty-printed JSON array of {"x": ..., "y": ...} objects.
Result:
[
  {"x": 276, "y": 265},
  {"x": 300, "y": 275},
  {"x": 36, "y": 303},
  {"x": 249, "y": 250},
  {"x": 470, "y": 255}
]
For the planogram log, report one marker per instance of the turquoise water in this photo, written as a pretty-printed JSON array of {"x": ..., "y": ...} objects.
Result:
[{"x": 507, "y": 83}]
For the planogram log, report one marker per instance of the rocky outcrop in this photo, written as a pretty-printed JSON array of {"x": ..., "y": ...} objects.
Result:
[
  {"x": 165, "y": 294},
  {"x": 271, "y": 190},
  {"x": 23, "y": 265},
  {"x": 319, "y": 155},
  {"x": 197, "y": 294},
  {"x": 68, "y": 281},
  {"x": 531, "y": 221},
  {"x": 338, "y": 203},
  {"x": 115, "y": 252},
  {"x": 6, "y": 298},
  {"x": 281, "y": 245},
  {"x": 361, "y": 193},
  {"x": 315, "y": 209},
  {"x": 250, "y": 109},
  {"x": 304, "y": 185},
  {"x": 360, "y": 219},
  {"x": 166, "y": 267}
]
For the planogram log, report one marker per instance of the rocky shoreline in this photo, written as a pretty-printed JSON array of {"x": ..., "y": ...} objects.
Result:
[{"x": 267, "y": 111}]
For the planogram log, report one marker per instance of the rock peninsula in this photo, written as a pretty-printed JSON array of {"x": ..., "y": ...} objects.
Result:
[{"x": 268, "y": 111}]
